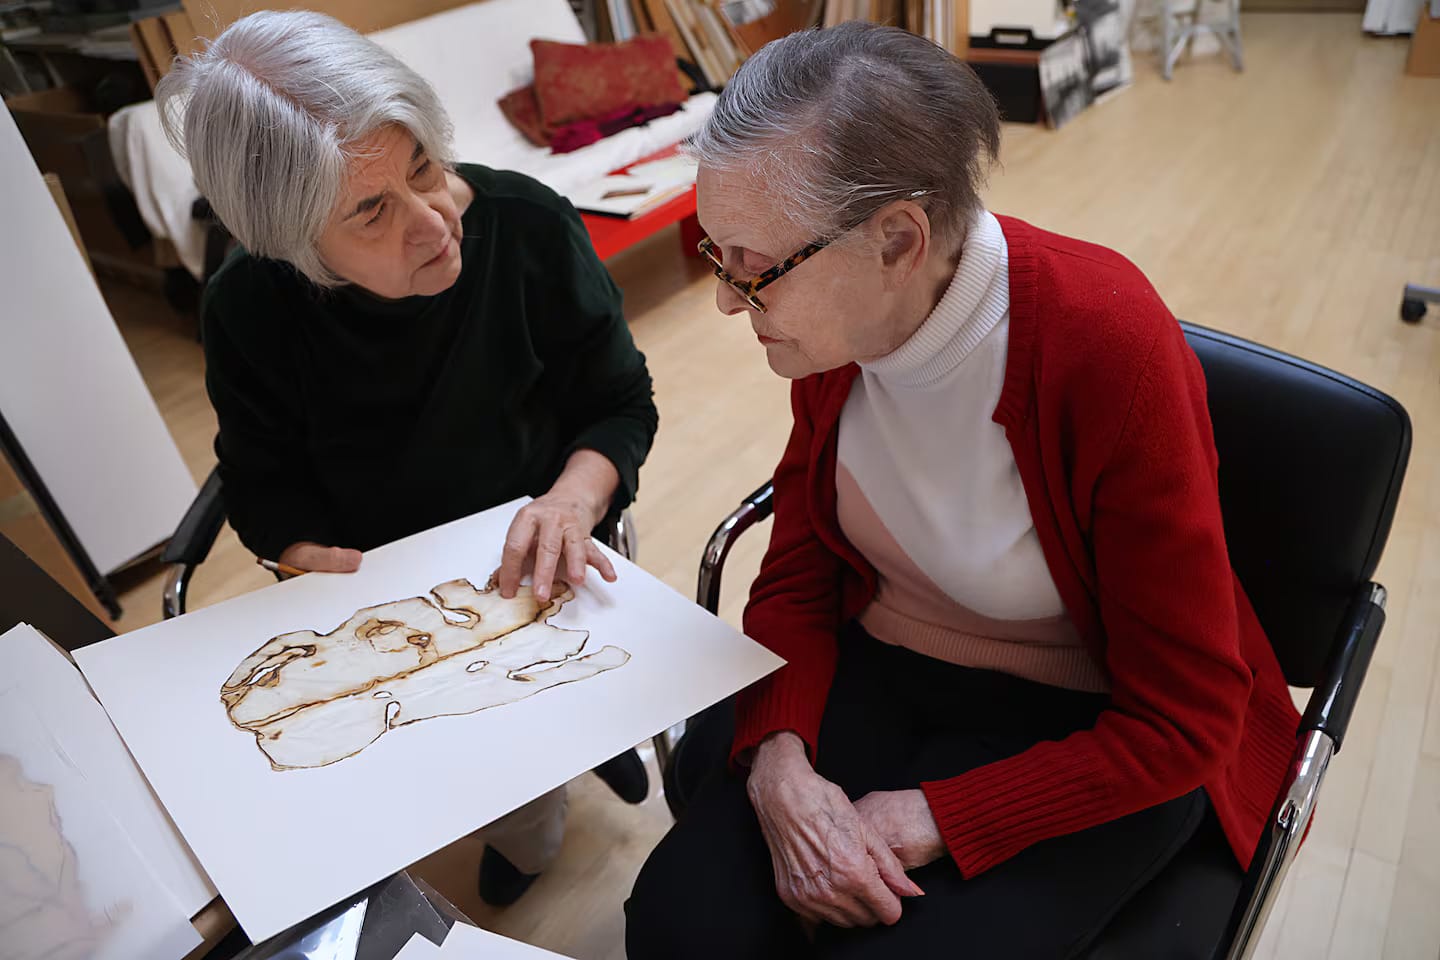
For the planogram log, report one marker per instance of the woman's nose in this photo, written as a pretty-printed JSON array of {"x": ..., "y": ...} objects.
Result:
[
  {"x": 427, "y": 225},
  {"x": 728, "y": 299}
]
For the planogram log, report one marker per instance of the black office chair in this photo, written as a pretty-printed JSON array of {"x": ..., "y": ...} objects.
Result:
[{"x": 1311, "y": 464}]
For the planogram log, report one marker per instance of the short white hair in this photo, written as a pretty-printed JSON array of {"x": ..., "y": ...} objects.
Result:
[
  {"x": 845, "y": 120},
  {"x": 270, "y": 115}
]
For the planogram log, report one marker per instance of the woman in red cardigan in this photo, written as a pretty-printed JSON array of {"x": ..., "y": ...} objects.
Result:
[{"x": 1021, "y": 674}]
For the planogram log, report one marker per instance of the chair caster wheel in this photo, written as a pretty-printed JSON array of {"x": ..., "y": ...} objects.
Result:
[{"x": 1412, "y": 310}]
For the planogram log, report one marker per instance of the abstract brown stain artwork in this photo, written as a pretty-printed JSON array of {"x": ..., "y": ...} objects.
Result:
[
  {"x": 43, "y": 913},
  {"x": 314, "y": 699}
]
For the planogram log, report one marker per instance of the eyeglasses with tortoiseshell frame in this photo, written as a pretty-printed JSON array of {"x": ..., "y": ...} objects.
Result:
[{"x": 749, "y": 288}]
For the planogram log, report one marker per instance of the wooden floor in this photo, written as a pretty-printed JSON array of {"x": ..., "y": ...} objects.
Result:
[{"x": 1289, "y": 204}]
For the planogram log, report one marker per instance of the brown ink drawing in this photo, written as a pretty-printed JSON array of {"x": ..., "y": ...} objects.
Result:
[{"x": 314, "y": 699}]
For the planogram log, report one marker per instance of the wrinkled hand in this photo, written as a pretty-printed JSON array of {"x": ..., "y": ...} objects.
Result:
[
  {"x": 830, "y": 865},
  {"x": 548, "y": 535},
  {"x": 903, "y": 820},
  {"x": 319, "y": 558}
]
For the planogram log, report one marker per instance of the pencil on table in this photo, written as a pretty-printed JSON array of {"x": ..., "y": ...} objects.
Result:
[{"x": 275, "y": 567}]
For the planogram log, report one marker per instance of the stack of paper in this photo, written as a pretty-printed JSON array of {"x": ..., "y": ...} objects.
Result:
[
  {"x": 316, "y": 736},
  {"x": 639, "y": 190},
  {"x": 92, "y": 866}
]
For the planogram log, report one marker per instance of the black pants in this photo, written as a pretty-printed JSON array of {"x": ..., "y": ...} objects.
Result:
[{"x": 893, "y": 719}]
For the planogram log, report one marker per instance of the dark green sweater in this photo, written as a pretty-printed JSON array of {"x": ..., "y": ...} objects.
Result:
[{"x": 352, "y": 421}]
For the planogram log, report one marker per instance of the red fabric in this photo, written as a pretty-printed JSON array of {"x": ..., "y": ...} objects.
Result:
[
  {"x": 583, "y": 81},
  {"x": 582, "y": 133},
  {"x": 522, "y": 109},
  {"x": 1104, "y": 407}
]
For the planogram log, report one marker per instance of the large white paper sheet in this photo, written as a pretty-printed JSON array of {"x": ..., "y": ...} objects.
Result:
[
  {"x": 282, "y": 844},
  {"x": 78, "y": 723},
  {"x": 72, "y": 885},
  {"x": 471, "y": 943}
]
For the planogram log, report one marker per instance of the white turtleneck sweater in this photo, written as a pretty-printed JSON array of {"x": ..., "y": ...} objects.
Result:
[{"x": 929, "y": 492}]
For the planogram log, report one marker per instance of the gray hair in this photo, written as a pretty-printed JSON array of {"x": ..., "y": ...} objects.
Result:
[
  {"x": 848, "y": 119},
  {"x": 270, "y": 115}
]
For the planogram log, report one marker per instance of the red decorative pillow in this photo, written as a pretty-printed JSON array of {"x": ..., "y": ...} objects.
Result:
[
  {"x": 522, "y": 109},
  {"x": 582, "y": 81}
]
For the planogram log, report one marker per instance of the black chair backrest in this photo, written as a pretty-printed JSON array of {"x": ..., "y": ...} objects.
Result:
[
  {"x": 201, "y": 524},
  {"x": 1310, "y": 469}
]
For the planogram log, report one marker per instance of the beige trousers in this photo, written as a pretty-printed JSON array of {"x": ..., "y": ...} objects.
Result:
[{"x": 530, "y": 836}]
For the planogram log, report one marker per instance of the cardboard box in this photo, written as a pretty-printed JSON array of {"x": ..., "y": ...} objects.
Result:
[
  {"x": 56, "y": 125},
  {"x": 24, "y": 525},
  {"x": 1424, "y": 60},
  {"x": 67, "y": 136}
]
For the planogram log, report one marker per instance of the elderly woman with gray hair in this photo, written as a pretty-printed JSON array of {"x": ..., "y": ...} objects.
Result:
[
  {"x": 401, "y": 340},
  {"x": 1021, "y": 675}
]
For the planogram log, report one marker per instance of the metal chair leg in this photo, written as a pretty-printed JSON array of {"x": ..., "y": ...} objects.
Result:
[
  {"x": 1176, "y": 36},
  {"x": 1170, "y": 44},
  {"x": 1322, "y": 731},
  {"x": 1412, "y": 306},
  {"x": 1280, "y": 844},
  {"x": 1237, "y": 52}
]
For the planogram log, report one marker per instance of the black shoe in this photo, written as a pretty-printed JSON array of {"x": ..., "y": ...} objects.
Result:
[
  {"x": 501, "y": 882},
  {"x": 626, "y": 775}
]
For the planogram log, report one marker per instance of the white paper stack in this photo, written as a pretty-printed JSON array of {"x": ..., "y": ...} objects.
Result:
[
  {"x": 639, "y": 190},
  {"x": 92, "y": 866},
  {"x": 456, "y": 740}
]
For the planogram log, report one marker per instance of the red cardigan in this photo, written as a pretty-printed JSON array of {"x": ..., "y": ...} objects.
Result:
[{"x": 1103, "y": 403}]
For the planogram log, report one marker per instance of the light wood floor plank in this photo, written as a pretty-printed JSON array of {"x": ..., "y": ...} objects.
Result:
[{"x": 1364, "y": 907}]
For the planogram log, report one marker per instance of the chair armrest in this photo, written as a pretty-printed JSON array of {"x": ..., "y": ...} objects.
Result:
[
  {"x": 1280, "y": 842},
  {"x": 619, "y": 534},
  {"x": 1322, "y": 728},
  {"x": 1333, "y": 699},
  {"x": 201, "y": 524},
  {"x": 753, "y": 509}
]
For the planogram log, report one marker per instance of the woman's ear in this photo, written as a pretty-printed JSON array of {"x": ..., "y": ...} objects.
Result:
[{"x": 904, "y": 233}]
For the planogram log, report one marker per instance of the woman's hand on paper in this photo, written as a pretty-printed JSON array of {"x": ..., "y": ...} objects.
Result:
[
  {"x": 831, "y": 866},
  {"x": 550, "y": 536},
  {"x": 903, "y": 820},
  {"x": 318, "y": 558}
]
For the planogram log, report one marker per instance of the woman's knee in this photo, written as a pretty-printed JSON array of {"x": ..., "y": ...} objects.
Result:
[
  {"x": 707, "y": 890},
  {"x": 662, "y": 911}
]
